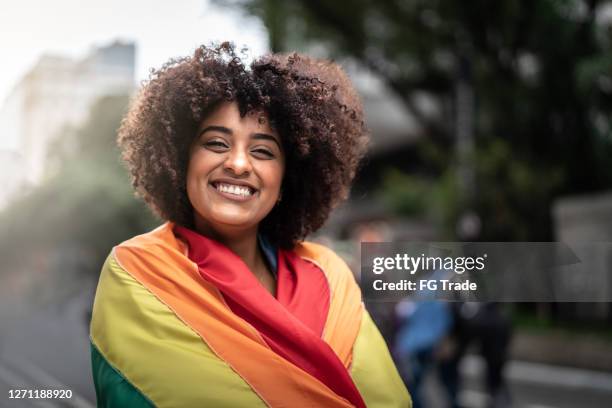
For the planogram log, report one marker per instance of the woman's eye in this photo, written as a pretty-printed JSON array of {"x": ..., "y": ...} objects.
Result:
[
  {"x": 263, "y": 153},
  {"x": 216, "y": 144}
]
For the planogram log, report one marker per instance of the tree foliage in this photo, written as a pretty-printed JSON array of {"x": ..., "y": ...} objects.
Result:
[
  {"x": 540, "y": 71},
  {"x": 85, "y": 206}
]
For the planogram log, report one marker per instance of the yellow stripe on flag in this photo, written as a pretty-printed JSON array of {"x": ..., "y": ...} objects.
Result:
[
  {"x": 160, "y": 355},
  {"x": 374, "y": 372}
]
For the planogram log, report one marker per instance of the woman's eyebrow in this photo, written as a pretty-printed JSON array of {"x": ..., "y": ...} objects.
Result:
[
  {"x": 228, "y": 131},
  {"x": 221, "y": 129},
  {"x": 266, "y": 136}
]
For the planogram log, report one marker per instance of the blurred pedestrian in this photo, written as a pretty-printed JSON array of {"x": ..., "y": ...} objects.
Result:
[
  {"x": 423, "y": 325},
  {"x": 482, "y": 324}
]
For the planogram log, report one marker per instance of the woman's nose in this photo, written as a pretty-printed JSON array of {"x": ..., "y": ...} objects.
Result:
[{"x": 238, "y": 162}]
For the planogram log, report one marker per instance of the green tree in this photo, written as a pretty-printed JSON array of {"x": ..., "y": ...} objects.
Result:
[
  {"x": 85, "y": 206},
  {"x": 541, "y": 75}
]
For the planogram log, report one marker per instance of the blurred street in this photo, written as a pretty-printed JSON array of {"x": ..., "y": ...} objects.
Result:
[
  {"x": 49, "y": 349},
  {"x": 537, "y": 386}
]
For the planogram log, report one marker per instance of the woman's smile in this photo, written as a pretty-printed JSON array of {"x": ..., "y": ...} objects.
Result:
[
  {"x": 232, "y": 191},
  {"x": 235, "y": 170}
]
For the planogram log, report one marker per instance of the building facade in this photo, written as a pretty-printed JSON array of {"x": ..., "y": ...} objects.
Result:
[{"x": 58, "y": 92}]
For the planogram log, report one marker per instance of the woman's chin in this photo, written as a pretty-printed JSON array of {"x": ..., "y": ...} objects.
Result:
[{"x": 233, "y": 221}]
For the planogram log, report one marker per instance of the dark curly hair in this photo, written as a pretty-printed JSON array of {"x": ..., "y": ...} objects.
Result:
[{"x": 310, "y": 102}]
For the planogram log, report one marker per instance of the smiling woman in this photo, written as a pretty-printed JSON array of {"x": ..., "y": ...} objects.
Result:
[
  {"x": 225, "y": 304},
  {"x": 235, "y": 172}
]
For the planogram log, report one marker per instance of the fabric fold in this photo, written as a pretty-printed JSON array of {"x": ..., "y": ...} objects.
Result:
[{"x": 292, "y": 323}]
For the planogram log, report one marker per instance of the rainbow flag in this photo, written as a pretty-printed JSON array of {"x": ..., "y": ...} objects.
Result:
[{"x": 168, "y": 330}]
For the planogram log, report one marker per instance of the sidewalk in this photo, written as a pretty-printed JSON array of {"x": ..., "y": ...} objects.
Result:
[
  {"x": 575, "y": 379},
  {"x": 563, "y": 349},
  {"x": 535, "y": 385}
]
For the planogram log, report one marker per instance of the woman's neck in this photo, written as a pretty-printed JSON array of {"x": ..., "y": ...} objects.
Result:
[
  {"x": 244, "y": 244},
  {"x": 245, "y": 247}
]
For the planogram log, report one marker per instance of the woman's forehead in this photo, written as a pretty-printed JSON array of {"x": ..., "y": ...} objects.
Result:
[{"x": 228, "y": 114}]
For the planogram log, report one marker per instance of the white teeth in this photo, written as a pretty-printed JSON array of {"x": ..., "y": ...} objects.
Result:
[{"x": 232, "y": 189}]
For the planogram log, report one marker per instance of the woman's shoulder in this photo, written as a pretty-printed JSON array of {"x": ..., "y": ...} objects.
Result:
[
  {"x": 334, "y": 267},
  {"x": 315, "y": 250},
  {"x": 161, "y": 236},
  {"x": 159, "y": 242},
  {"x": 148, "y": 253}
]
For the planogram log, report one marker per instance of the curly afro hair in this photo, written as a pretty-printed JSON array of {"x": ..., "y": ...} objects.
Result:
[{"x": 310, "y": 102}]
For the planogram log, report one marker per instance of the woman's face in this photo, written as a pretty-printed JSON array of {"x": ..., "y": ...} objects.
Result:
[{"x": 235, "y": 170}]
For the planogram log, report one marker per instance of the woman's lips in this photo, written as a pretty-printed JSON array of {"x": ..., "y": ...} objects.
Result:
[{"x": 233, "y": 192}]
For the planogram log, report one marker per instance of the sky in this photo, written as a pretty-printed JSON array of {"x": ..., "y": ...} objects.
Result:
[{"x": 160, "y": 29}]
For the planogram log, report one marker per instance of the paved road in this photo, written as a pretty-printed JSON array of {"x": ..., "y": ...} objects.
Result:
[
  {"x": 532, "y": 386},
  {"x": 48, "y": 349}
]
